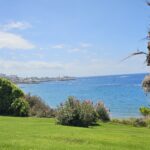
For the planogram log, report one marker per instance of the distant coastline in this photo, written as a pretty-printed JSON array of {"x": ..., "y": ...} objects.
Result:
[{"x": 34, "y": 80}]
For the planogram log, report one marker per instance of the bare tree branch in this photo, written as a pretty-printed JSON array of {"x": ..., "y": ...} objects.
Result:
[{"x": 135, "y": 53}]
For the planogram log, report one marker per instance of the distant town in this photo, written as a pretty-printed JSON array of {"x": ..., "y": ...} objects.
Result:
[{"x": 36, "y": 80}]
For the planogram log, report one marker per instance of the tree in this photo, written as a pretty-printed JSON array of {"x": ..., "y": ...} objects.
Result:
[
  {"x": 145, "y": 111},
  {"x": 20, "y": 107},
  {"x": 146, "y": 81},
  {"x": 9, "y": 92}
]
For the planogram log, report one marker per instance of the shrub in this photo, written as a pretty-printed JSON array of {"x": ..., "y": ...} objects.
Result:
[
  {"x": 88, "y": 114},
  {"x": 129, "y": 121},
  {"x": 115, "y": 120},
  {"x": 145, "y": 111},
  {"x": 69, "y": 112},
  {"x": 38, "y": 108},
  {"x": 140, "y": 123},
  {"x": 103, "y": 113},
  {"x": 20, "y": 107},
  {"x": 9, "y": 92},
  {"x": 76, "y": 113}
]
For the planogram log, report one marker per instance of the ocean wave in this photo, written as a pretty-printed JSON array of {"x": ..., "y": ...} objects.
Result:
[
  {"x": 110, "y": 84},
  {"x": 136, "y": 84},
  {"x": 123, "y": 76},
  {"x": 119, "y": 84}
]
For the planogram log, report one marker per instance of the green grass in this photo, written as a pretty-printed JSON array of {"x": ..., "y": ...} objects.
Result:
[{"x": 44, "y": 134}]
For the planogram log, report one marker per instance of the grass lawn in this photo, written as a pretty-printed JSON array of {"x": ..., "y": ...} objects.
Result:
[{"x": 44, "y": 134}]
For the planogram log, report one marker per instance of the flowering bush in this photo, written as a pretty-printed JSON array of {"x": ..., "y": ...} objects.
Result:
[
  {"x": 103, "y": 113},
  {"x": 76, "y": 113},
  {"x": 69, "y": 112},
  {"x": 88, "y": 115}
]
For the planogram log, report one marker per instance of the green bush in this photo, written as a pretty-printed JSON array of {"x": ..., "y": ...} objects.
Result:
[
  {"x": 129, "y": 121},
  {"x": 38, "y": 108},
  {"x": 145, "y": 111},
  {"x": 103, "y": 113},
  {"x": 136, "y": 122},
  {"x": 9, "y": 92},
  {"x": 140, "y": 122},
  {"x": 20, "y": 107},
  {"x": 115, "y": 120},
  {"x": 76, "y": 113}
]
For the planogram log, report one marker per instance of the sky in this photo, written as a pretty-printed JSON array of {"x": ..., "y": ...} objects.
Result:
[{"x": 72, "y": 37}]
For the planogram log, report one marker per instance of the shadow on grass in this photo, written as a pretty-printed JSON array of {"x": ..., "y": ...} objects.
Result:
[{"x": 81, "y": 126}]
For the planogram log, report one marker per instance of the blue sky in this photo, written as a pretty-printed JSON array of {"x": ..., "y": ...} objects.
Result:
[{"x": 72, "y": 37}]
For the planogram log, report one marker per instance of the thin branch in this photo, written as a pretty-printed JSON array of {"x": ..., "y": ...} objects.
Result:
[{"x": 134, "y": 54}]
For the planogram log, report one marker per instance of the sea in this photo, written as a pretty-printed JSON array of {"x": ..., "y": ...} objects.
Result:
[{"x": 122, "y": 94}]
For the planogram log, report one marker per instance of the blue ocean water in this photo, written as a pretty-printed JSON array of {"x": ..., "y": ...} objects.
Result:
[{"x": 122, "y": 94}]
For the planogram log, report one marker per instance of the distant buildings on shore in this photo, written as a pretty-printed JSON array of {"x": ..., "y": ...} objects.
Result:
[{"x": 31, "y": 80}]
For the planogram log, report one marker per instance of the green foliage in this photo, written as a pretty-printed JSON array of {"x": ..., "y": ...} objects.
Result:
[
  {"x": 38, "y": 108},
  {"x": 129, "y": 121},
  {"x": 140, "y": 122},
  {"x": 103, "y": 113},
  {"x": 20, "y": 107},
  {"x": 8, "y": 93},
  {"x": 137, "y": 122},
  {"x": 145, "y": 111},
  {"x": 76, "y": 113}
]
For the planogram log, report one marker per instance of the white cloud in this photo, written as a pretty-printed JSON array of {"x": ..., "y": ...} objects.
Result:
[
  {"x": 15, "y": 25},
  {"x": 75, "y": 50},
  {"x": 30, "y": 68},
  {"x": 104, "y": 67},
  {"x": 70, "y": 48},
  {"x": 13, "y": 41},
  {"x": 85, "y": 45},
  {"x": 81, "y": 48},
  {"x": 29, "y": 65},
  {"x": 58, "y": 46},
  {"x": 74, "y": 68}
]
